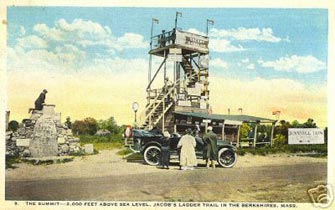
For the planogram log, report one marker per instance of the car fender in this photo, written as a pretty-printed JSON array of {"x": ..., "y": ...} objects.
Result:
[{"x": 227, "y": 145}]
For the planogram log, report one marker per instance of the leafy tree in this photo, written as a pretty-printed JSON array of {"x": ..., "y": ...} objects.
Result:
[
  {"x": 109, "y": 124},
  {"x": 282, "y": 128},
  {"x": 264, "y": 128},
  {"x": 296, "y": 124},
  {"x": 92, "y": 125},
  {"x": 79, "y": 127},
  {"x": 309, "y": 124},
  {"x": 279, "y": 140},
  {"x": 13, "y": 125},
  {"x": 244, "y": 130},
  {"x": 87, "y": 126}
]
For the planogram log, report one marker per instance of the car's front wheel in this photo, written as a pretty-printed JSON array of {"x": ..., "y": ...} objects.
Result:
[
  {"x": 227, "y": 157},
  {"x": 152, "y": 155}
]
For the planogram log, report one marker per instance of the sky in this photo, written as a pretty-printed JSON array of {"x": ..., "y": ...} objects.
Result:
[{"x": 94, "y": 61}]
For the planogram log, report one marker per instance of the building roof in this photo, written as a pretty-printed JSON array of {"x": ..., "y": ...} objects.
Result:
[{"x": 242, "y": 118}]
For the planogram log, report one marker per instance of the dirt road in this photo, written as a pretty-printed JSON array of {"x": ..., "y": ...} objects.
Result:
[{"x": 274, "y": 178}]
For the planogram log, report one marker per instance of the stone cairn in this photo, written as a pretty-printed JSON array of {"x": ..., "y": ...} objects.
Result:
[{"x": 42, "y": 135}]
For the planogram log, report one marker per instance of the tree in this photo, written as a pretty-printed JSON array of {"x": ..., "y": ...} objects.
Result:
[
  {"x": 87, "y": 126},
  {"x": 282, "y": 130},
  {"x": 109, "y": 124},
  {"x": 244, "y": 130},
  {"x": 92, "y": 125},
  {"x": 279, "y": 140},
  {"x": 296, "y": 124},
  {"x": 13, "y": 125},
  {"x": 78, "y": 127},
  {"x": 309, "y": 124}
]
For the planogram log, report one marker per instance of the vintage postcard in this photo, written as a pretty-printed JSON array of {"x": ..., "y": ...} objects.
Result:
[{"x": 146, "y": 105}]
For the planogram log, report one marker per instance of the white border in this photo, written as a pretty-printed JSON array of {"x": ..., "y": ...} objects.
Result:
[{"x": 325, "y": 4}]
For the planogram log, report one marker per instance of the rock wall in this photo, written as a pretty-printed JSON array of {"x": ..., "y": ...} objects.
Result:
[{"x": 42, "y": 137}]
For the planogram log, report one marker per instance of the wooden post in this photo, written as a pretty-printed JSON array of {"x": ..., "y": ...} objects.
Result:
[
  {"x": 272, "y": 132},
  {"x": 178, "y": 76},
  {"x": 223, "y": 126},
  {"x": 164, "y": 92},
  {"x": 198, "y": 66},
  {"x": 163, "y": 117},
  {"x": 255, "y": 136},
  {"x": 164, "y": 67},
  {"x": 238, "y": 135}
]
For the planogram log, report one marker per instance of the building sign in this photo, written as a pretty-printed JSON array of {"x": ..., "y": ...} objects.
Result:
[
  {"x": 193, "y": 41},
  {"x": 175, "y": 51},
  {"x": 181, "y": 97},
  {"x": 175, "y": 57},
  {"x": 305, "y": 136}
]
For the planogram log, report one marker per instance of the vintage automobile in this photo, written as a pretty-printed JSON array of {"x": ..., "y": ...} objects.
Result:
[{"x": 149, "y": 144}]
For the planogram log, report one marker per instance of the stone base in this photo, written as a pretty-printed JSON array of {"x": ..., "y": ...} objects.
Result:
[{"x": 48, "y": 160}]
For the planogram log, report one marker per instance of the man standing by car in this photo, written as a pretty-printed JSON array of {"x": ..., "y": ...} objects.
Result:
[
  {"x": 165, "y": 155},
  {"x": 187, "y": 144},
  {"x": 210, "y": 140}
]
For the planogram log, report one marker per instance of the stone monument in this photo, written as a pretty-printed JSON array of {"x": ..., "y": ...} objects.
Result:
[{"x": 44, "y": 140}]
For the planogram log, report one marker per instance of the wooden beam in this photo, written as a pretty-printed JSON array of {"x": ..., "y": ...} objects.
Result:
[
  {"x": 223, "y": 130},
  {"x": 255, "y": 136},
  {"x": 238, "y": 135},
  {"x": 165, "y": 57},
  {"x": 272, "y": 132},
  {"x": 163, "y": 117},
  {"x": 149, "y": 85}
]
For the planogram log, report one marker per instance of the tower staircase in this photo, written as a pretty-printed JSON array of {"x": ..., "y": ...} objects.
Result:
[
  {"x": 162, "y": 103},
  {"x": 159, "y": 106}
]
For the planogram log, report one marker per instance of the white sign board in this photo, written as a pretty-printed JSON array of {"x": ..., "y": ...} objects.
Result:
[
  {"x": 175, "y": 51},
  {"x": 175, "y": 57},
  {"x": 206, "y": 121},
  {"x": 22, "y": 142},
  {"x": 191, "y": 40},
  {"x": 181, "y": 96},
  {"x": 305, "y": 136},
  {"x": 232, "y": 122}
]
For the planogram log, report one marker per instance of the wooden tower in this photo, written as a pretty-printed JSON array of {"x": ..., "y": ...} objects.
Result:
[{"x": 188, "y": 90}]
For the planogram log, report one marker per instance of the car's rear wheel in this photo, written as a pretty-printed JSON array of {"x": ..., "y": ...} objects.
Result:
[
  {"x": 227, "y": 157},
  {"x": 152, "y": 155}
]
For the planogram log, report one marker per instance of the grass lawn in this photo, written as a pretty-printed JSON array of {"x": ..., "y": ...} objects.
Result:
[{"x": 103, "y": 143}]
